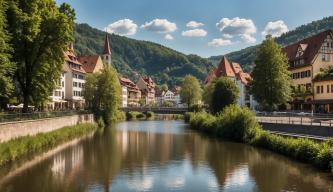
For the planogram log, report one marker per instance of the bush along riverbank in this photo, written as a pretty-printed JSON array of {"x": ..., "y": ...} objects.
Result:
[
  {"x": 135, "y": 115},
  {"x": 14, "y": 149},
  {"x": 239, "y": 124}
]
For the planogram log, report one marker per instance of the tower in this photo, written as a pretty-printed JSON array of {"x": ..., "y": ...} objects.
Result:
[{"x": 106, "y": 57}]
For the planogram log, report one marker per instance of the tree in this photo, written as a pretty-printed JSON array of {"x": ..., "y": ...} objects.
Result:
[
  {"x": 6, "y": 66},
  {"x": 224, "y": 92},
  {"x": 271, "y": 85},
  {"x": 102, "y": 93},
  {"x": 191, "y": 91},
  {"x": 164, "y": 87},
  {"x": 42, "y": 32}
]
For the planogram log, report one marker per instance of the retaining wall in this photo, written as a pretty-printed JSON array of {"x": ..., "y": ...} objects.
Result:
[
  {"x": 17, "y": 129},
  {"x": 322, "y": 131}
]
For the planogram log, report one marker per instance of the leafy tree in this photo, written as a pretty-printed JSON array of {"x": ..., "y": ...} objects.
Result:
[
  {"x": 164, "y": 87},
  {"x": 6, "y": 66},
  {"x": 42, "y": 32},
  {"x": 224, "y": 92},
  {"x": 191, "y": 91},
  {"x": 271, "y": 85},
  {"x": 102, "y": 93}
]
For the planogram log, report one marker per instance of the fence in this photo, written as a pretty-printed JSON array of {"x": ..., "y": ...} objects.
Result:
[
  {"x": 325, "y": 120},
  {"x": 11, "y": 117}
]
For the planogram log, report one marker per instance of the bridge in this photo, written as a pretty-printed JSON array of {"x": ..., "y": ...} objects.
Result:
[{"x": 157, "y": 110}]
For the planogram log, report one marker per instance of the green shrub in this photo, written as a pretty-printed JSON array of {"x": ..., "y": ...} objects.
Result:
[
  {"x": 150, "y": 115},
  {"x": 188, "y": 116},
  {"x": 237, "y": 123},
  {"x": 14, "y": 149},
  {"x": 100, "y": 122},
  {"x": 132, "y": 115}
]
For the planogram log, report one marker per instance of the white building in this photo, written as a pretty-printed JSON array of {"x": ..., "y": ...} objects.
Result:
[
  {"x": 124, "y": 96},
  {"x": 170, "y": 96}
]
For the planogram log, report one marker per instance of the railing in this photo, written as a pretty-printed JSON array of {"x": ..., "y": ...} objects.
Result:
[
  {"x": 11, "y": 117},
  {"x": 312, "y": 119}
]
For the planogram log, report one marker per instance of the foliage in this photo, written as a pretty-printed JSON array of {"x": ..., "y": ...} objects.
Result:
[
  {"x": 271, "y": 85},
  {"x": 196, "y": 108},
  {"x": 131, "y": 57},
  {"x": 150, "y": 115},
  {"x": 6, "y": 66},
  {"x": 167, "y": 104},
  {"x": 133, "y": 115},
  {"x": 191, "y": 91},
  {"x": 301, "y": 91},
  {"x": 14, "y": 149},
  {"x": 224, "y": 92},
  {"x": 41, "y": 33},
  {"x": 239, "y": 124},
  {"x": 325, "y": 74},
  {"x": 246, "y": 57},
  {"x": 102, "y": 94}
]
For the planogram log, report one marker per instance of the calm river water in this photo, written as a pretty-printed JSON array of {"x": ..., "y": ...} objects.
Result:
[{"x": 159, "y": 156}]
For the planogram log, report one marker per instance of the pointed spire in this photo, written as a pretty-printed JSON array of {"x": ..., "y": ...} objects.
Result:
[
  {"x": 107, "y": 50},
  {"x": 224, "y": 69}
]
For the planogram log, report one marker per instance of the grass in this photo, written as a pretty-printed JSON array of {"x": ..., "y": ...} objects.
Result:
[
  {"x": 239, "y": 124},
  {"x": 17, "y": 148}
]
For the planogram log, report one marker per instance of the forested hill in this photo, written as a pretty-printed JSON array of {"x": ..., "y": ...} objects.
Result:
[
  {"x": 246, "y": 56},
  {"x": 132, "y": 57}
]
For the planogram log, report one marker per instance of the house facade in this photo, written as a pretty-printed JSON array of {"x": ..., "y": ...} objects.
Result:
[
  {"x": 235, "y": 72},
  {"x": 307, "y": 59},
  {"x": 133, "y": 92},
  {"x": 147, "y": 88}
]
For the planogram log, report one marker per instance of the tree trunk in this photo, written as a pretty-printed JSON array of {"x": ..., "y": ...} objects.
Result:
[{"x": 25, "y": 102}]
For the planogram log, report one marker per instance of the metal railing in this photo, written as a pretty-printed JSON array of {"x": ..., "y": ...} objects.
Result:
[
  {"x": 12, "y": 117},
  {"x": 325, "y": 120}
]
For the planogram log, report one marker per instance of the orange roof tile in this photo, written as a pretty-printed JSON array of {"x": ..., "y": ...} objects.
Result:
[
  {"x": 89, "y": 62},
  {"x": 224, "y": 69}
]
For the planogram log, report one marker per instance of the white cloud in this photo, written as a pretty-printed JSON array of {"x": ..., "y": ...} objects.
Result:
[
  {"x": 160, "y": 26},
  {"x": 219, "y": 42},
  {"x": 122, "y": 27},
  {"x": 194, "y": 24},
  {"x": 275, "y": 28},
  {"x": 227, "y": 36},
  {"x": 248, "y": 38},
  {"x": 244, "y": 28},
  {"x": 168, "y": 37},
  {"x": 194, "y": 33}
]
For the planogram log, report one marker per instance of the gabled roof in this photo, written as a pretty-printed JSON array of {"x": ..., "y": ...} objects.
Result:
[
  {"x": 244, "y": 77},
  {"x": 236, "y": 67},
  {"x": 89, "y": 62},
  {"x": 70, "y": 57},
  {"x": 211, "y": 75},
  {"x": 129, "y": 84},
  {"x": 224, "y": 69},
  {"x": 107, "y": 49},
  {"x": 310, "y": 46}
]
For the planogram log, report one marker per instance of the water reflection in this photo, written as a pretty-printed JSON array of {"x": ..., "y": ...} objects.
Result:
[{"x": 163, "y": 156}]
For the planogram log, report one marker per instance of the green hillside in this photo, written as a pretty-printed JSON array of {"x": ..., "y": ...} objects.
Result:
[
  {"x": 246, "y": 56},
  {"x": 132, "y": 57}
]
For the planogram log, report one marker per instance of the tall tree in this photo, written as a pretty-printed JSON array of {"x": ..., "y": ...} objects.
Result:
[
  {"x": 191, "y": 91},
  {"x": 42, "y": 33},
  {"x": 6, "y": 66},
  {"x": 271, "y": 85},
  {"x": 102, "y": 93},
  {"x": 224, "y": 92}
]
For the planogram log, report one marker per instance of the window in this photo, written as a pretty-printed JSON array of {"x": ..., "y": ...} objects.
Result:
[
  {"x": 322, "y": 89},
  {"x": 325, "y": 57},
  {"x": 63, "y": 84},
  {"x": 74, "y": 84},
  {"x": 328, "y": 88},
  {"x": 318, "y": 89}
]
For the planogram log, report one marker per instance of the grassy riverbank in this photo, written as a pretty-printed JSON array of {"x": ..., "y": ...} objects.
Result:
[
  {"x": 14, "y": 149},
  {"x": 239, "y": 124}
]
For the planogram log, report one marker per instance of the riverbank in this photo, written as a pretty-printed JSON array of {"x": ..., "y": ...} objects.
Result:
[
  {"x": 17, "y": 148},
  {"x": 239, "y": 124}
]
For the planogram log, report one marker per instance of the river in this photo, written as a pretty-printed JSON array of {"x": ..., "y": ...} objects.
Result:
[{"x": 159, "y": 156}]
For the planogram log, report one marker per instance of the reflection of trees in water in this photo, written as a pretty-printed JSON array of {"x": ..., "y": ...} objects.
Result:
[{"x": 99, "y": 160}]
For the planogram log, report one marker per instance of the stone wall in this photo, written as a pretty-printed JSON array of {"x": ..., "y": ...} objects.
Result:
[
  {"x": 17, "y": 129},
  {"x": 322, "y": 131}
]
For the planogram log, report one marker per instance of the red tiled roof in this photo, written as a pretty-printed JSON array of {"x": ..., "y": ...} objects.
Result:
[
  {"x": 89, "y": 62},
  {"x": 224, "y": 69},
  {"x": 236, "y": 67},
  {"x": 244, "y": 77},
  {"x": 310, "y": 46},
  {"x": 149, "y": 82},
  {"x": 70, "y": 58},
  {"x": 129, "y": 84},
  {"x": 211, "y": 75}
]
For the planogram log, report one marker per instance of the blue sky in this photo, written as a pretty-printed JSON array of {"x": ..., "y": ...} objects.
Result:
[{"x": 220, "y": 26}]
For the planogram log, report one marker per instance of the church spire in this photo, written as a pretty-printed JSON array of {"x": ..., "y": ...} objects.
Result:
[{"x": 107, "y": 50}]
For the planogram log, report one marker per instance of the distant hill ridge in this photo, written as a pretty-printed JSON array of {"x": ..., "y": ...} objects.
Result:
[
  {"x": 246, "y": 56},
  {"x": 133, "y": 57}
]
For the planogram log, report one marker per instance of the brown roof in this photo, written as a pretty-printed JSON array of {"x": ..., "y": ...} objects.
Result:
[
  {"x": 236, "y": 67},
  {"x": 224, "y": 69},
  {"x": 71, "y": 58},
  {"x": 310, "y": 47},
  {"x": 89, "y": 62},
  {"x": 244, "y": 77},
  {"x": 107, "y": 49},
  {"x": 129, "y": 84}
]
